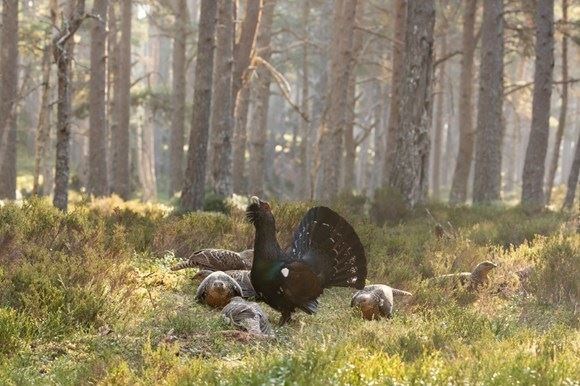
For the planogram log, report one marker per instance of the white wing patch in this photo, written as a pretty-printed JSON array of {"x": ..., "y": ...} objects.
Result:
[{"x": 285, "y": 272}]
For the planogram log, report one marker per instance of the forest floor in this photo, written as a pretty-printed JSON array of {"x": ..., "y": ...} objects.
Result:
[{"x": 88, "y": 298}]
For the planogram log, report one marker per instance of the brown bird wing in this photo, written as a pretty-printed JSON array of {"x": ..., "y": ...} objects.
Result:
[
  {"x": 243, "y": 279},
  {"x": 247, "y": 316},
  {"x": 214, "y": 260}
]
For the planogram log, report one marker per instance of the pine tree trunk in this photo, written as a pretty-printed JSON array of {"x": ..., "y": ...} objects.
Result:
[
  {"x": 379, "y": 122},
  {"x": 487, "y": 171},
  {"x": 112, "y": 74},
  {"x": 8, "y": 98},
  {"x": 438, "y": 137},
  {"x": 349, "y": 142},
  {"x": 240, "y": 139},
  {"x": 573, "y": 178},
  {"x": 458, "y": 194},
  {"x": 146, "y": 158},
  {"x": 335, "y": 119},
  {"x": 410, "y": 171},
  {"x": 563, "y": 109},
  {"x": 178, "y": 97},
  {"x": 43, "y": 125},
  {"x": 193, "y": 193},
  {"x": 62, "y": 52},
  {"x": 43, "y": 161},
  {"x": 120, "y": 135},
  {"x": 400, "y": 19},
  {"x": 534, "y": 166},
  {"x": 47, "y": 169},
  {"x": 259, "y": 118},
  {"x": 240, "y": 90},
  {"x": 222, "y": 120},
  {"x": 98, "y": 182},
  {"x": 244, "y": 47},
  {"x": 302, "y": 184}
]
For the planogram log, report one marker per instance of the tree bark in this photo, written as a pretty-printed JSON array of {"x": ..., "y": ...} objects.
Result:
[
  {"x": 222, "y": 109},
  {"x": 62, "y": 52},
  {"x": 302, "y": 184},
  {"x": 178, "y": 97},
  {"x": 243, "y": 51},
  {"x": 98, "y": 182},
  {"x": 380, "y": 118},
  {"x": 438, "y": 137},
  {"x": 487, "y": 171},
  {"x": 534, "y": 166},
  {"x": 43, "y": 125},
  {"x": 245, "y": 46},
  {"x": 563, "y": 109},
  {"x": 120, "y": 135},
  {"x": 240, "y": 140},
  {"x": 335, "y": 118},
  {"x": 112, "y": 75},
  {"x": 349, "y": 142},
  {"x": 392, "y": 126},
  {"x": 259, "y": 118},
  {"x": 8, "y": 98},
  {"x": 193, "y": 192},
  {"x": 573, "y": 178},
  {"x": 146, "y": 158},
  {"x": 458, "y": 194},
  {"x": 409, "y": 175}
]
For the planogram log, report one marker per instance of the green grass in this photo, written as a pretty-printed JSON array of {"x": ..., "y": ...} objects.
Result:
[{"x": 88, "y": 298}]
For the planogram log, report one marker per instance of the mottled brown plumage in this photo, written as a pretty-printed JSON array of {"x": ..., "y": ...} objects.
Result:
[
  {"x": 218, "y": 260},
  {"x": 376, "y": 301},
  {"x": 241, "y": 276},
  {"x": 470, "y": 280},
  {"x": 247, "y": 316},
  {"x": 217, "y": 290}
]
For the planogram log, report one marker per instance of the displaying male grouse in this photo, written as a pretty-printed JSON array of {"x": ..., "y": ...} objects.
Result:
[{"x": 326, "y": 252}]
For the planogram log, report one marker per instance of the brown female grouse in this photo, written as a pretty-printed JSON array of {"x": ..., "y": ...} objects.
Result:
[{"x": 326, "y": 252}]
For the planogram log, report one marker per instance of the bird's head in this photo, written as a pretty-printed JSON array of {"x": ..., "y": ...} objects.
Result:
[
  {"x": 259, "y": 212},
  {"x": 366, "y": 304},
  {"x": 484, "y": 267},
  {"x": 219, "y": 286}
]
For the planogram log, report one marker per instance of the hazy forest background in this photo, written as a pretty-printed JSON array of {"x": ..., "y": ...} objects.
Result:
[{"x": 298, "y": 100}]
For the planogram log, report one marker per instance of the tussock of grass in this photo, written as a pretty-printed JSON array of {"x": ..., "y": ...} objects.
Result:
[{"x": 88, "y": 297}]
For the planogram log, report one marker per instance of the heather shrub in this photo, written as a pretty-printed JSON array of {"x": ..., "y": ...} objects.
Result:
[
  {"x": 555, "y": 278},
  {"x": 15, "y": 329},
  {"x": 387, "y": 206},
  {"x": 64, "y": 271}
]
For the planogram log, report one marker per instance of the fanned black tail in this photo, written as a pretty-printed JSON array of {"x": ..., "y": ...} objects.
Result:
[{"x": 331, "y": 247}]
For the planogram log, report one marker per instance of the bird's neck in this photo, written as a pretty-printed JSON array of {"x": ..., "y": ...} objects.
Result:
[
  {"x": 479, "y": 276},
  {"x": 266, "y": 245}
]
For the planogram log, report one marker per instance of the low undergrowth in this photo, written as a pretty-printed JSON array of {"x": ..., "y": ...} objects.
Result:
[{"x": 88, "y": 297}]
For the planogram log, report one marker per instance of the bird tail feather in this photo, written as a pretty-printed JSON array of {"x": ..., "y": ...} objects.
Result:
[
  {"x": 184, "y": 265},
  {"x": 401, "y": 292},
  {"x": 331, "y": 247}
]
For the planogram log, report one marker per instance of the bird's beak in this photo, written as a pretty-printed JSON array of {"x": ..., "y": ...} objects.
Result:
[
  {"x": 494, "y": 265},
  {"x": 254, "y": 200}
]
